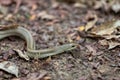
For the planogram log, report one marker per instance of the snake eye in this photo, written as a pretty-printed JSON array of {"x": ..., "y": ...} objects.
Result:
[{"x": 74, "y": 45}]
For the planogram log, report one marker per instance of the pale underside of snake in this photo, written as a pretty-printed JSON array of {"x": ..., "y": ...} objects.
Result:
[{"x": 31, "y": 51}]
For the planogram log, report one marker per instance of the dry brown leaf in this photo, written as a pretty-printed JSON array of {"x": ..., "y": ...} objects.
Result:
[
  {"x": 47, "y": 78},
  {"x": 36, "y": 76},
  {"x": 80, "y": 28},
  {"x": 21, "y": 54},
  {"x": 98, "y": 4},
  {"x": 45, "y": 15},
  {"x": 69, "y": 39},
  {"x": 33, "y": 17},
  {"x": 71, "y": 36},
  {"x": 79, "y": 5},
  {"x": 106, "y": 29},
  {"x": 113, "y": 44},
  {"x": 90, "y": 24},
  {"x": 91, "y": 49},
  {"x": 48, "y": 59},
  {"x": 104, "y": 69},
  {"x": 115, "y": 6},
  {"x": 112, "y": 37},
  {"x": 78, "y": 38},
  {"x": 103, "y": 42},
  {"x": 104, "y": 32},
  {"x": 9, "y": 67}
]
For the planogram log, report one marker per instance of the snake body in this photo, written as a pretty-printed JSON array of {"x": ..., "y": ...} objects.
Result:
[{"x": 31, "y": 51}]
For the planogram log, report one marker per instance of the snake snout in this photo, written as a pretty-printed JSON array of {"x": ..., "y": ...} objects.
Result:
[{"x": 73, "y": 45}]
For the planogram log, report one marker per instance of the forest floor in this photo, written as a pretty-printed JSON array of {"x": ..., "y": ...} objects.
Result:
[{"x": 51, "y": 24}]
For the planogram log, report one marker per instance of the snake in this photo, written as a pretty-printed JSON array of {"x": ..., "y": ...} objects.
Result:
[{"x": 31, "y": 51}]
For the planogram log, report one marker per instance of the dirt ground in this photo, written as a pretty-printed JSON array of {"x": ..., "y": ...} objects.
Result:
[{"x": 51, "y": 24}]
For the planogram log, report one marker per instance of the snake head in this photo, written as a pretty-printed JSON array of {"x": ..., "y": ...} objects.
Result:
[
  {"x": 72, "y": 46},
  {"x": 67, "y": 47}
]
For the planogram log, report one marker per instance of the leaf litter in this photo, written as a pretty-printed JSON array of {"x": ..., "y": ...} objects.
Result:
[
  {"x": 108, "y": 31},
  {"x": 9, "y": 67},
  {"x": 65, "y": 11}
]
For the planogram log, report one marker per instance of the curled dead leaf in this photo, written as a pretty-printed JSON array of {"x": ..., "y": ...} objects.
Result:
[
  {"x": 106, "y": 29},
  {"x": 21, "y": 54},
  {"x": 9, "y": 67},
  {"x": 111, "y": 43},
  {"x": 90, "y": 24}
]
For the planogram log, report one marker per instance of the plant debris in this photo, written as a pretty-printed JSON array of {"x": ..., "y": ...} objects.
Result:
[
  {"x": 9, "y": 67},
  {"x": 93, "y": 24}
]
